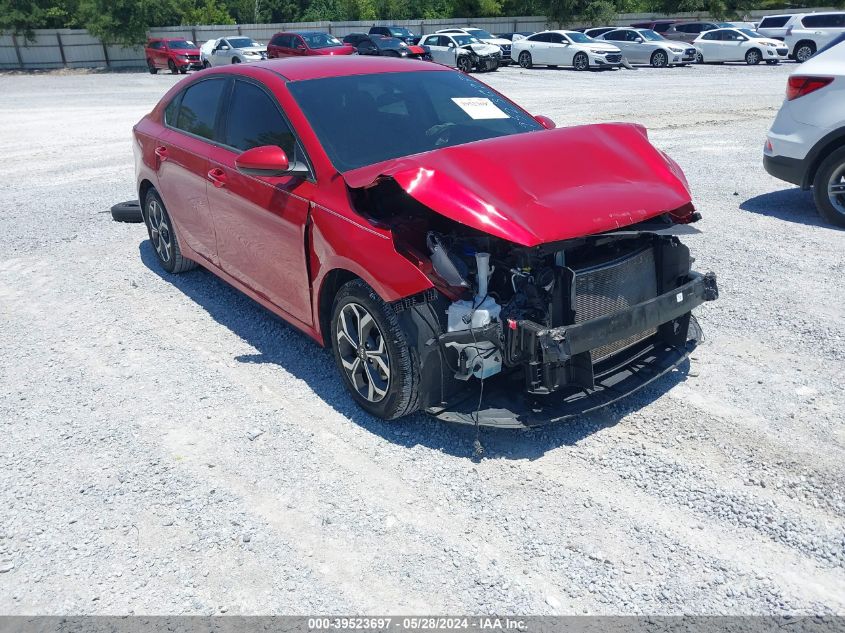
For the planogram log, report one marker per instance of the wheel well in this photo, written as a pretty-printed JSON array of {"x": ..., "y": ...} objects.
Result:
[
  {"x": 823, "y": 153},
  {"x": 146, "y": 185},
  {"x": 810, "y": 42},
  {"x": 755, "y": 49},
  {"x": 334, "y": 280}
]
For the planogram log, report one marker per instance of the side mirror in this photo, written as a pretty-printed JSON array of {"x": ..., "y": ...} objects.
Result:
[
  {"x": 267, "y": 160},
  {"x": 639, "y": 40},
  {"x": 224, "y": 48},
  {"x": 545, "y": 121},
  {"x": 451, "y": 45}
]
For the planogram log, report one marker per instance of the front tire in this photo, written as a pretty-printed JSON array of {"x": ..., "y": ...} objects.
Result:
[
  {"x": 205, "y": 64},
  {"x": 371, "y": 351},
  {"x": 525, "y": 60},
  {"x": 699, "y": 58},
  {"x": 465, "y": 64},
  {"x": 829, "y": 188},
  {"x": 659, "y": 59},
  {"x": 172, "y": 66},
  {"x": 236, "y": 60},
  {"x": 753, "y": 57},
  {"x": 581, "y": 61},
  {"x": 163, "y": 236}
]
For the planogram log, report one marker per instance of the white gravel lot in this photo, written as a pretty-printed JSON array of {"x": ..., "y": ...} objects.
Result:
[{"x": 129, "y": 482}]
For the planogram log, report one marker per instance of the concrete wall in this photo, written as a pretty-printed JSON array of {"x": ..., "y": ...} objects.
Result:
[{"x": 75, "y": 48}]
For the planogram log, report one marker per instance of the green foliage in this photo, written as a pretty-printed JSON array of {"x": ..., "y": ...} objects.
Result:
[
  {"x": 208, "y": 13},
  {"x": 126, "y": 21}
]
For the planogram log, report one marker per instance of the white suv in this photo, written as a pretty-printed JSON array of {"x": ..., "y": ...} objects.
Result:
[
  {"x": 806, "y": 143},
  {"x": 807, "y": 33},
  {"x": 487, "y": 38}
]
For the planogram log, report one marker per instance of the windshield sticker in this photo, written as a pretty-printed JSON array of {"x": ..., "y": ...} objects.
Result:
[{"x": 479, "y": 108}]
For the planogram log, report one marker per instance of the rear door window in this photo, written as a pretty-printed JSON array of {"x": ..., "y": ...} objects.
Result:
[
  {"x": 199, "y": 107},
  {"x": 774, "y": 22},
  {"x": 615, "y": 36},
  {"x": 824, "y": 21}
]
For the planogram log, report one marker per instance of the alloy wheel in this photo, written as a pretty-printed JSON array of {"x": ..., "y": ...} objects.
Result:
[
  {"x": 752, "y": 57},
  {"x": 160, "y": 233},
  {"x": 836, "y": 189},
  {"x": 581, "y": 62},
  {"x": 659, "y": 59},
  {"x": 525, "y": 59},
  {"x": 804, "y": 53},
  {"x": 464, "y": 64},
  {"x": 363, "y": 352}
]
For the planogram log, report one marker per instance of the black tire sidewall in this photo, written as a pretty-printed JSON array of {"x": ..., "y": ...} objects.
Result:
[
  {"x": 527, "y": 57},
  {"x": 404, "y": 369},
  {"x": 127, "y": 212},
  {"x": 758, "y": 59},
  {"x": 172, "y": 66},
  {"x": 654, "y": 57},
  {"x": 464, "y": 64},
  {"x": 826, "y": 209}
]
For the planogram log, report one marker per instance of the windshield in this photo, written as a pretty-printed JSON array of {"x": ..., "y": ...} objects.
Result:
[
  {"x": 649, "y": 35},
  {"x": 480, "y": 34},
  {"x": 180, "y": 44},
  {"x": 724, "y": 25},
  {"x": 320, "y": 40},
  {"x": 373, "y": 118},
  {"x": 579, "y": 38},
  {"x": 401, "y": 32},
  {"x": 242, "y": 42},
  {"x": 463, "y": 40},
  {"x": 749, "y": 33}
]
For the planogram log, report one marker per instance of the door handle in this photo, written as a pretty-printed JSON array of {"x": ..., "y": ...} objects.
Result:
[
  {"x": 161, "y": 152},
  {"x": 217, "y": 177}
]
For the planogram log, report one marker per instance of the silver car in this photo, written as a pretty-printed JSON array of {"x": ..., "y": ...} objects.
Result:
[
  {"x": 231, "y": 50},
  {"x": 644, "y": 46}
]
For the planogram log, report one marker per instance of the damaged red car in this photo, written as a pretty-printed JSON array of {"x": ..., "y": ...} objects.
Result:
[{"x": 460, "y": 256}]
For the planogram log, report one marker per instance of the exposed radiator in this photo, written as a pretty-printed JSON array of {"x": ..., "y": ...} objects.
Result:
[{"x": 613, "y": 286}]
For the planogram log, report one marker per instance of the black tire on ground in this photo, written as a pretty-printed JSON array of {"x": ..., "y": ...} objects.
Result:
[
  {"x": 184, "y": 70},
  {"x": 659, "y": 59},
  {"x": 163, "y": 236},
  {"x": 127, "y": 212},
  {"x": 753, "y": 57},
  {"x": 371, "y": 351},
  {"x": 205, "y": 64},
  {"x": 525, "y": 59},
  {"x": 151, "y": 67},
  {"x": 172, "y": 66},
  {"x": 829, "y": 181},
  {"x": 464, "y": 64},
  {"x": 803, "y": 51},
  {"x": 236, "y": 60},
  {"x": 699, "y": 58},
  {"x": 581, "y": 61}
]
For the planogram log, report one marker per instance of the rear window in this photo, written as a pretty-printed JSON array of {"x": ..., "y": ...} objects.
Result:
[
  {"x": 824, "y": 21},
  {"x": 198, "y": 110},
  {"x": 774, "y": 22}
]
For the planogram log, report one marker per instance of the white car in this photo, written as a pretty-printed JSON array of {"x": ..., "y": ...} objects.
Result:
[
  {"x": 807, "y": 33},
  {"x": 231, "y": 50},
  {"x": 644, "y": 46},
  {"x": 566, "y": 48},
  {"x": 774, "y": 26},
  {"x": 737, "y": 45},
  {"x": 806, "y": 143},
  {"x": 462, "y": 51},
  {"x": 487, "y": 38}
]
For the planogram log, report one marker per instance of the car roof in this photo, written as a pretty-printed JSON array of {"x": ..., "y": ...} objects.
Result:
[{"x": 319, "y": 67}]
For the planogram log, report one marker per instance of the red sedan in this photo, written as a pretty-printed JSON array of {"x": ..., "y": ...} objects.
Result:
[
  {"x": 306, "y": 43},
  {"x": 458, "y": 255}
]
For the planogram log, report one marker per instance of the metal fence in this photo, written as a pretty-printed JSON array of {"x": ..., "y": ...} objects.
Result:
[{"x": 76, "y": 48}]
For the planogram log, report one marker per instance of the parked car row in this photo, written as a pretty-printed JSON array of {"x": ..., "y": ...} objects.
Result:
[{"x": 658, "y": 43}]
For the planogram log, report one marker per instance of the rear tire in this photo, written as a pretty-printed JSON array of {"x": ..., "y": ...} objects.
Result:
[
  {"x": 151, "y": 67},
  {"x": 753, "y": 57},
  {"x": 804, "y": 50},
  {"x": 378, "y": 367},
  {"x": 581, "y": 61},
  {"x": 829, "y": 188},
  {"x": 525, "y": 60},
  {"x": 163, "y": 236}
]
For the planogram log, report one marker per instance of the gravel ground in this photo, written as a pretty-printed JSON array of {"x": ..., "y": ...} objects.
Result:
[{"x": 169, "y": 447}]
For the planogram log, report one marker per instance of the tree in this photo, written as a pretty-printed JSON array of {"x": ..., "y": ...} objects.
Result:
[
  {"x": 208, "y": 13},
  {"x": 126, "y": 21}
]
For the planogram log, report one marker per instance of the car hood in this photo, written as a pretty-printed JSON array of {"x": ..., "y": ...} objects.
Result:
[
  {"x": 482, "y": 49},
  {"x": 600, "y": 45},
  {"x": 253, "y": 49},
  {"x": 608, "y": 176},
  {"x": 497, "y": 41}
]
